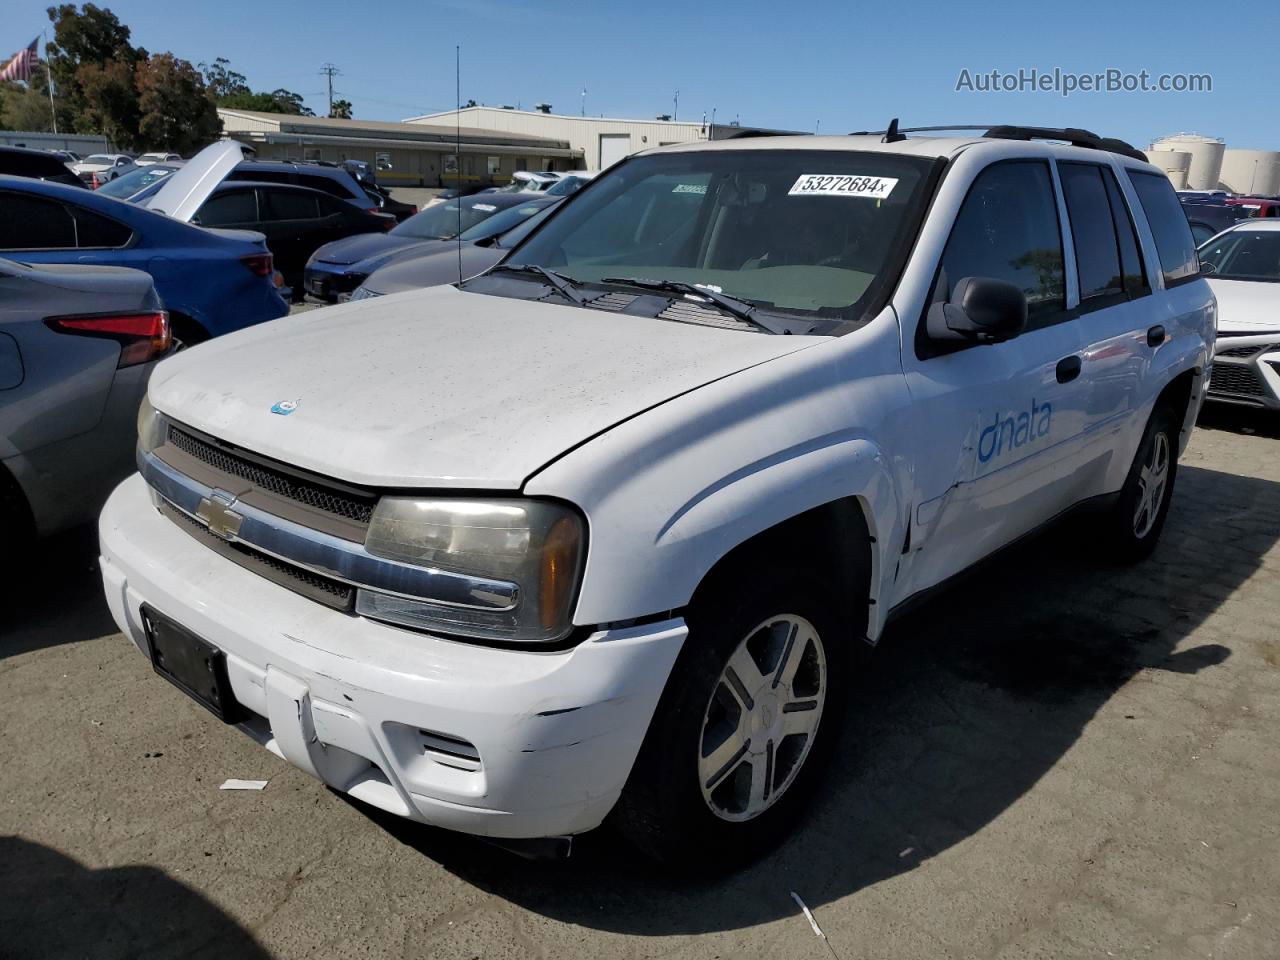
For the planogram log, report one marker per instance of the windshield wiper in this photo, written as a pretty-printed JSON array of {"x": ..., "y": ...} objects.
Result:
[
  {"x": 558, "y": 280},
  {"x": 739, "y": 309}
]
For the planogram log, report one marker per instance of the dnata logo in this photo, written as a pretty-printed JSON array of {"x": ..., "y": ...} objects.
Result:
[{"x": 1012, "y": 431}]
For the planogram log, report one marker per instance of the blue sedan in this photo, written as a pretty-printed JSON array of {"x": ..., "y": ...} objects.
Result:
[{"x": 211, "y": 281}]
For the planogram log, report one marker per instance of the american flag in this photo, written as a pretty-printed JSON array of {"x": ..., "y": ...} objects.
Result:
[{"x": 23, "y": 62}]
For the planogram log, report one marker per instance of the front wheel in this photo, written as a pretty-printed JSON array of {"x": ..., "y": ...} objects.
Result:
[
  {"x": 1134, "y": 525},
  {"x": 744, "y": 727}
]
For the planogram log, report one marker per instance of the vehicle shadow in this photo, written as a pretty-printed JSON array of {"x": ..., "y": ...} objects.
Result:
[
  {"x": 55, "y": 907},
  {"x": 969, "y": 701},
  {"x": 1240, "y": 419},
  {"x": 55, "y": 597}
]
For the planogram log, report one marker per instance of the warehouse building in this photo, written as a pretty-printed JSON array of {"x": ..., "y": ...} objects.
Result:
[
  {"x": 600, "y": 140},
  {"x": 402, "y": 153}
]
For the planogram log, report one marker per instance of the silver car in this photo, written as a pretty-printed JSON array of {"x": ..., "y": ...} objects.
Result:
[{"x": 77, "y": 344}]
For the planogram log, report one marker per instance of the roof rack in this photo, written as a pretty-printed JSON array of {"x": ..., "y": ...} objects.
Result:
[{"x": 1072, "y": 135}]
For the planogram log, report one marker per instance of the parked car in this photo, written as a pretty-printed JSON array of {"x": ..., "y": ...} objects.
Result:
[
  {"x": 77, "y": 344},
  {"x": 295, "y": 220},
  {"x": 36, "y": 164},
  {"x": 140, "y": 183},
  {"x": 336, "y": 269},
  {"x": 99, "y": 168},
  {"x": 211, "y": 282},
  {"x": 388, "y": 204},
  {"x": 571, "y": 182},
  {"x": 605, "y": 529},
  {"x": 1243, "y": 264},
  {"x": 453, "y": 193},
  {"x": 66, "y": 156},
  {"x": 328, "y": 179},
  {"x": 1209, "y": 216},
  {"x": 161, "y": 157},
  {"x": 447, "y": 261},
  {"x": 522, "y": 181},
  {"x": 1257, "y": 207}
]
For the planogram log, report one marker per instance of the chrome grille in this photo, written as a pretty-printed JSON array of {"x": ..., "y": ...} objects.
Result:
[{"x": 274, "y": 480}]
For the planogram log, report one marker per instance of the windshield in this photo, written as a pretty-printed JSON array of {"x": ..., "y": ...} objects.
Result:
[
  {"x": 126, "y": 186},
  {"x": 100, "y": 158},
  {"x": 501, "y": 222},
  {"x": 1244, "y": 255},
  {"x": 567, "y": 185},
  {"x": 794, "y": 230},
  {"x": 441, "y": 221}
]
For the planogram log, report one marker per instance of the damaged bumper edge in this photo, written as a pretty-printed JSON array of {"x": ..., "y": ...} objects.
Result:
[{"x": 506, "y": 744}]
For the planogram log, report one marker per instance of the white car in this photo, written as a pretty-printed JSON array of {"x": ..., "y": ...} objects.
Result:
[
  {"x": 149, "y": 158},
  {"x": 99, "y": 168},
  {"x": 1243, "y": 263},
  {"x": 608, "y": 527}
]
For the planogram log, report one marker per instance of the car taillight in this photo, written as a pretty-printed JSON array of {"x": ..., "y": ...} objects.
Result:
[
  {"x": 260, "y": 264},
  {"x": 142, "y": 336}
]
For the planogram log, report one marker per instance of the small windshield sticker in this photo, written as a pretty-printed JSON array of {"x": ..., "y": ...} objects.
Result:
[
  {"x": 699, "y": 188},
  {"x": 841, "y": 185},
  {"x": 484, "y": 206}
]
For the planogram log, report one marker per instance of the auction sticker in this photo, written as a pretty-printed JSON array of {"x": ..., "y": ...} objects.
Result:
[{"x": 841, "y": 185}]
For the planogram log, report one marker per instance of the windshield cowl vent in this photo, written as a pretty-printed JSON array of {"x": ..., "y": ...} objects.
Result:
[
  {"x": 686, "y": 311},
  {"x": 613, "y": 302}
]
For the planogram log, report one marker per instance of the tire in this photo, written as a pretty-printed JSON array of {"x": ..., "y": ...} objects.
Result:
[
  {"x": 17, "y": 528},
  {"x": 1133, "y": 525},
  {"x": 689, "y": 799},
  {"x": 186, "y": 332}
]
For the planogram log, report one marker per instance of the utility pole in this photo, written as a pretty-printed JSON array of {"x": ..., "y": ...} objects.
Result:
[
  {"x": 330, "y": 71},
  {"x": 675, "y": 109},
  {"x": 584, "y": 101}
]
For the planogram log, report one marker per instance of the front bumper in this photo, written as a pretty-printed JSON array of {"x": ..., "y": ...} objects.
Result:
[
  {"x": 1246, "y": 370},
  {"x": 330, "y": 283},
  {"x": 378, "y": 712}
]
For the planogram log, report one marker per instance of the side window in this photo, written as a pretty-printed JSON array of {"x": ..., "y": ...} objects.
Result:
[
  {"x": 34, "y": 223},
  {"x": 1135, "y": 278},
  {"x": 1174, "y": 243},
  {"x": 331, "y": 206},
  {"x": 93, "y": 230},
  {"x": 1093, "y": 231},
  {"x": 289, "y": 205},
  {"x": 1007, "y": 229},
  {"x": 324, "y": 185},
  {"x": 238, "y": 206}
]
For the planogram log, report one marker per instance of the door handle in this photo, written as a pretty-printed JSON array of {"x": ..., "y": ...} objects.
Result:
[
  {"x": 1155, "y": 336},
  {"x": 1068, "y": 369}
]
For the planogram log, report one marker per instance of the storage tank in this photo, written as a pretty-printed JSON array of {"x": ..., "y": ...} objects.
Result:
[
  {"x": 1175, "y": 164},
  {"x": 1206, "y": 157},
  {"x": 1251, "y": 171}
]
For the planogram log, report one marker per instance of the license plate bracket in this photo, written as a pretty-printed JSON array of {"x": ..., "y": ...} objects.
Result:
[{"x": 194, "y": 666}]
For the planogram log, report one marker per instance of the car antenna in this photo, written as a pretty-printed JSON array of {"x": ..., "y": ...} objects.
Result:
[
  {"x": 457, "y": 148},
  {"x": 891, "y": 135}
]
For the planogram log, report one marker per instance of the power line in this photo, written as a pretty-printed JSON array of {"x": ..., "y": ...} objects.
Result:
[{"x": 330, "y": 71}]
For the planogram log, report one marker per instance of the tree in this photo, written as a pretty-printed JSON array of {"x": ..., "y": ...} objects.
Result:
[
  {"x": 278, "y": 101},
  {"x": 222, "y": 80},
  {"x": 341, "y": 110},
  {"x": 110, "y": 96},
  {"x": 90, "y": 35},
  {"x": 176, "y": 111},
  {"x": 27, "y": 108}
]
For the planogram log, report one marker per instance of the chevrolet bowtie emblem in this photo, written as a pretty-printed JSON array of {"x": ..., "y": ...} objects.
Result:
[{"x": 215, "y": 510}]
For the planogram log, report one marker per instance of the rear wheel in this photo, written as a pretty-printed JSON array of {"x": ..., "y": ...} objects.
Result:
[
  {"x": 745, "y": 725},
  {"x": 186, "y": 331},
  {"x": 1134, "y": 525},
  {"x": 17, "y": 528}
]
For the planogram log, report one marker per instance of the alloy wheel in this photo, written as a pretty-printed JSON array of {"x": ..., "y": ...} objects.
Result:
[{"x": 1152, "y": 481}]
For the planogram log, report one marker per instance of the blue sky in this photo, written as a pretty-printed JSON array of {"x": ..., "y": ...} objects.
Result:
[{"x": 848, "y": 66}]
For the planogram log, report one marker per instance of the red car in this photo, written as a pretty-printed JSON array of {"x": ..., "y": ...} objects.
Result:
[{"x": 1257, "y": 206}]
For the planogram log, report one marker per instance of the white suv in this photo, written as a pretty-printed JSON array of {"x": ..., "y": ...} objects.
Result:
[{"x": 606, "y": 528}]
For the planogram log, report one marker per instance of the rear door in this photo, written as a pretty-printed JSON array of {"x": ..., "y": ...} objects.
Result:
[
  {"x": 999, "y": 426},
  {"x": 292, "y": 221},
  {"x": 1113, "y": 309}
]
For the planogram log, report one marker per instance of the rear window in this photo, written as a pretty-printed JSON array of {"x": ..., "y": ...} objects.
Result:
[{"x": 1174, "y": 242}]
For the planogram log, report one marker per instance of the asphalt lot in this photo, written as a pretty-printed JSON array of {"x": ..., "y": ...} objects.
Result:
[{"x": 1057, "y": 758}]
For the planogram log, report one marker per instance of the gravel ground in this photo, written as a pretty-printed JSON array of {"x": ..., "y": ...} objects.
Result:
[{"x": 1057, "y": 759}]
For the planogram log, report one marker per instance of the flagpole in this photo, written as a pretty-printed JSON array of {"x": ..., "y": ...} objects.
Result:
[{"x": 53, "y": 111}]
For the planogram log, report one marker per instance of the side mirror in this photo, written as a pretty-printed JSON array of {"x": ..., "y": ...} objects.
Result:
[{"x": 981, "y": 310}]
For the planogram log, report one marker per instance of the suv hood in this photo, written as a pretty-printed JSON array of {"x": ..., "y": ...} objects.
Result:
[
  {"x": 184, "y": 190},
  {"x": 1245, "y": 306},
  {"x": 443, "y": 389}
]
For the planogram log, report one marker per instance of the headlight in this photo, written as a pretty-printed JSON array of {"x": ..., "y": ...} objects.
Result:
[
  {"x": 150, "y": 427},
  {"x": 535, "y": 546},
  {"x": 363, "y": 293}
]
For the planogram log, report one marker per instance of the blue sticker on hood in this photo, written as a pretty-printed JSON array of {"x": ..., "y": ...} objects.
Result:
[{"x": 285, "y": 407}]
